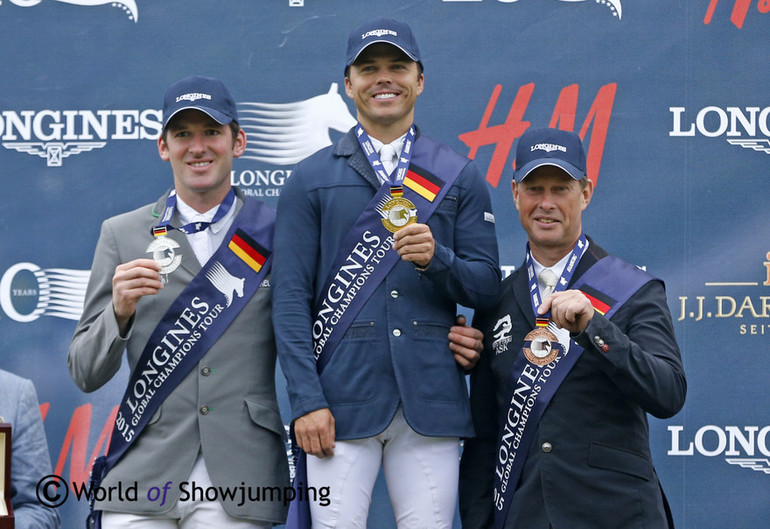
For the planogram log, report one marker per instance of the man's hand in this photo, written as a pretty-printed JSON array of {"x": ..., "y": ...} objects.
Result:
[
  {"x": 570, "y": 310},
  {"x": 315, "y": 433},
  {"x": 132, "y": 280},
  {"x": 466, "y": 343},
  {"x": 414, "y": 243}
]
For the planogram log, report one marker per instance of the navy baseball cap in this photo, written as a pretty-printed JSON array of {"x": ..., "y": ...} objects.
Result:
[
  {"x": 200, "y": 93},
  {"x": 560, "y": 148},
  {"x": 385, "y": 30}
]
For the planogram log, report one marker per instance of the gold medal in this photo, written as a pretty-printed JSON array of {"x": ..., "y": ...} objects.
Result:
[
  {"x": 541, "y": 346},
  {"x": 397, "y": 213}
]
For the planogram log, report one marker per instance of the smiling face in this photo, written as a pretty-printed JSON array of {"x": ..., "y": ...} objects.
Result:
[
  {"x": 550, "y": 205},
  {"x": 201, "y": 153},
  {"x": 384, "y": 84}
]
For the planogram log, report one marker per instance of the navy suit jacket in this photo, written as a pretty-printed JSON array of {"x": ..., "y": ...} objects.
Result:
[
  {"x": 589, "y": 465},
  {"x": 397, "y": 349}
]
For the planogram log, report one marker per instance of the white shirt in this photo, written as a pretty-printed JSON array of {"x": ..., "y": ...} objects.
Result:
[{"x": 205, "y": 243}]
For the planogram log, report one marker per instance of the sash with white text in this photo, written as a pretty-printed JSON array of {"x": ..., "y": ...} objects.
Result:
[
  {"x": 194, "y": 322},
  {"x": 365, "y": 258},
  {"x": 608, "y": 284}
]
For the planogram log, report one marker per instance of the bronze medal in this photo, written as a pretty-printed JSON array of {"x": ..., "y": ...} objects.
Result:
[{"x": 541, "y": 346}]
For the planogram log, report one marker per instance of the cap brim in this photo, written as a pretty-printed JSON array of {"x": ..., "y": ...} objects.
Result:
[
  {"x": 386, "y": 41},
  {"x": 521, "y": 173},
  {"x": 219, "y": 117}
]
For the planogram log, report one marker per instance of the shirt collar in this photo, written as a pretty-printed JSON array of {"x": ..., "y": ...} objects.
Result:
[{"x": 187, "y": 215}]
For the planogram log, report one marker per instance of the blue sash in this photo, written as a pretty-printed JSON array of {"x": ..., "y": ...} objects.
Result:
[
  {"x": 364, "y": 260},
  {"x": 610, "y": 283},
  {"x": 193, "y": 323}
]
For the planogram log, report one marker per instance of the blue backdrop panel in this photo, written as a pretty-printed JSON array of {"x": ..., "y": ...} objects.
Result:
[{"x": 669, "y": 96}]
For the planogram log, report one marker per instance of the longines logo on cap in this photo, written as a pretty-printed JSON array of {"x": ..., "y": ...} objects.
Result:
[
  {"x": 192, "y": 97},
  {"x": 379, "y": 33},
  {"x": 548, "y": 147}
]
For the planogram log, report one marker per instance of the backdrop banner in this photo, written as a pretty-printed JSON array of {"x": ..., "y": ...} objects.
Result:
[{"x": 665, "y": 94}]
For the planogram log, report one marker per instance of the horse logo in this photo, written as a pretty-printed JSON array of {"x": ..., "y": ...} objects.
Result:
[
  {"x": 614, "y": 5},
  {"x": 225, "y": 282},
  {"x": 128, "y": 6},
  {"x": 285, "y": 133}
]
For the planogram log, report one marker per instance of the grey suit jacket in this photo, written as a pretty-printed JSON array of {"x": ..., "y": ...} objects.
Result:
[
  {"x": 226, "y": 408},
  {"x": 30, "y": 460}
]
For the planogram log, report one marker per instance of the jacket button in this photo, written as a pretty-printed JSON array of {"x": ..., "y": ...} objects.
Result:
[
  {"x": 396, "y": 332},
  {"x": 598, "y": 341},
  {"x": 204, "y": 410},
  {"x": 394, "y": 294},
  {"x": 206, "y": 371},
  {"x": 546, "y": 447}
]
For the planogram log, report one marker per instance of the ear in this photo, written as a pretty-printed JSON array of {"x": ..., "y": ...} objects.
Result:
[
  {"x": 239, "y": 144},
  {"x": 587, "y": 193},
  {"x": 348, "y": 87},
  {"x": 515, "y": 194},
  {"x": 163, "y": 150},
  {"x": 420, "y": 84}
]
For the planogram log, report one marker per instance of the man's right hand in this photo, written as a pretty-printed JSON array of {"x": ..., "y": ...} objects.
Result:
[
  {"x": 315, "y": 433},
  {"x": 132, "y": 280}
]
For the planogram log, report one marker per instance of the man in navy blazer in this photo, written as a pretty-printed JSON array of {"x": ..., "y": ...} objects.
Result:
[
  {"x": 581, "y": 459},
  {"x": 392, "y": 394}
]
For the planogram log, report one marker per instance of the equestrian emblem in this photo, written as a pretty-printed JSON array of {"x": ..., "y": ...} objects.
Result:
[{"x": 225, "y": 282}]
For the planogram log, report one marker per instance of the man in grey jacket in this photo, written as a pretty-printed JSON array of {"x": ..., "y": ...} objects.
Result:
[{"x": 181, "y": 286}]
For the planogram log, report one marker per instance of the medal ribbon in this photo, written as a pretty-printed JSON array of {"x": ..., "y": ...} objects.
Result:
[
  {"x": 561, "y": 284},
  {"x": 194, "y": 227},
  {"x": 396, "y": 178}
]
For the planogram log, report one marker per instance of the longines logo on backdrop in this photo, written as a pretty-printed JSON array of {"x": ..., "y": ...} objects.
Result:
[
  {"x": 614, "y": 5},
  {"x": 746, "y": 447},
  {"x": 751, "y": 311},
  {"x": 129, "y": 6},
  {"x": 278, "y": 133},
  {"x": 58, "y": 134},
  {"x": 738, "y": 125}
]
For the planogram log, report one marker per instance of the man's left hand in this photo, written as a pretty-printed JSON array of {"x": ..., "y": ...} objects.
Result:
[{"x": 415, "y": 243}]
